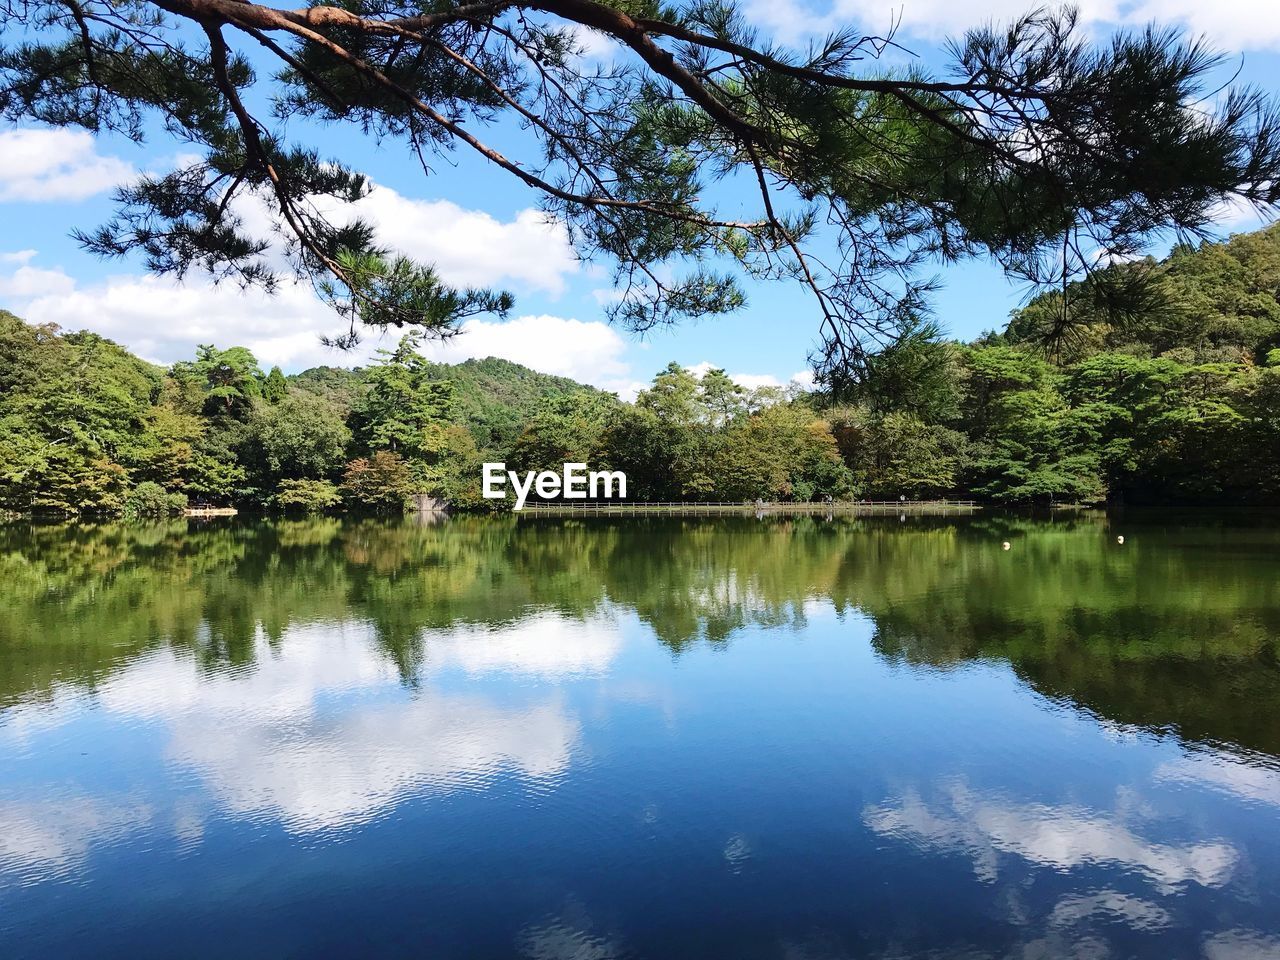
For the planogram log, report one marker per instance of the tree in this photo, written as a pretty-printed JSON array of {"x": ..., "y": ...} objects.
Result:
[
  {"x": 404, "y": 408},
  {"x": 299, "y": 437},
  {"x": 1046, "y": 152},
  {"x": 1028, "y": 440},
  {"x": 673, "y": 415},
  {"x": 149, "y": 499},
  {"x": 898, "y": 454},
  {"x": 307, "y": 496},
  {"x": 919, "y": 374},
  {"x": 567, "y": 428},
  {"x": 723, "y": 399},
  {"x": 1212, "y": 303},
  {"x": 274, "y": 387},
  {"x": 781, "y": 453},
  {"x": 380, "y": 483},
  {"x": 228, "y": 380}
]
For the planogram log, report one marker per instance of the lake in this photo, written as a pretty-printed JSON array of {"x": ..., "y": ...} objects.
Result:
[{"x": 726, "y": 738}]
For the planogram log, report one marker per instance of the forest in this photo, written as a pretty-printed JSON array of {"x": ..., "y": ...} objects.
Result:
[{"x": 1091, "y": 393}]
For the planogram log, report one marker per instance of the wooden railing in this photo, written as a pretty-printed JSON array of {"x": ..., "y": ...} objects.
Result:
[{"x": 837, "y": 506}]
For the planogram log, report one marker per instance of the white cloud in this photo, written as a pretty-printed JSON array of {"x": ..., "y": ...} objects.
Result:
[
  {"x": 26, "y": 282},
  {"x": 594, "y": 45},
  {"x": 1242, "y": 945},
  {"x": 52, "y": 838},
  {"x": 588, "y": 351},
  {"x": 164, "y": 320},
  {"x": 48, "y": 165},
  {"x": 545, "y": 646},
  {"x": 470, "y": 248},
  {"x": 1134, "y": 912},
  {"x": 1231, "y": 24},
  {"x": 752, "y": 381}
]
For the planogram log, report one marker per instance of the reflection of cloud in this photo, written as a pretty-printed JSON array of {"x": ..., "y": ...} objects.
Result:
[
  {"x": 1233, "y": 775},
  {"x": 322, "y": 772},
  {"x": 547, "y": 646},
  {"x": 737, "y": 852},
  {"x": 45, "y": 840},
  {"x": 305, "y": 737},
  {"x": 1241, "y": 945},
  {"x": 1111, "y": 905},
  {"x": 1060, "y": 837},
  {"x": 560, "y": 940}
]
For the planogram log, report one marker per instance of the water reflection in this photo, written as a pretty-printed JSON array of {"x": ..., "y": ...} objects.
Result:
[
  {"x": 48, "y": 839},
  {"x": 1241, "y": 945},
  {"x": 1062, "y": 837},
  {"x": 799, "y": 738},
  {"x": 1249, "y": 777}
]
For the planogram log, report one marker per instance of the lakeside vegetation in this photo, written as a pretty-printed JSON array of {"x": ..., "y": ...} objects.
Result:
[{"x": 1177, "y": 400}]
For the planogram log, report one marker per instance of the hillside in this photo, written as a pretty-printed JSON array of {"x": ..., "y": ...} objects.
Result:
[
  {"x": 1216, "y": 302},
  {"x": 492, "y": 398},
  {"x": 495, "y": 398}
]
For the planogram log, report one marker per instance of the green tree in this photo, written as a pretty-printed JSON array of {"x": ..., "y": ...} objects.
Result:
[
  {"x": 229, "y": 380},
  {"x": 275, "y": 387},
  {"x": 722, "y": 398},
  {"x": 1027, "y": 437},
  {"x": 1036, "y": 146},
  {"x": 380, "y": 482},
  {"x": 404, "y": 409},
  {"x": 299, "y": 437},
  {"x": 306, "y": 495},
  {"x": 898, "y": 454},
  {"x": 566, "y": 428},
  {"x": 149, "y": 499}
]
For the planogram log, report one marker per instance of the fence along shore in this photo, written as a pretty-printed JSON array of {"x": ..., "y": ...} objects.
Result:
[{"x": 932, "y": 507}]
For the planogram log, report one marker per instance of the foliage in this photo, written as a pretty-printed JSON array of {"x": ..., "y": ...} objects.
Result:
[
  {"x": 1034, "y": 146},
  {"x": 307, "y": 496},
  {"x": 1133, "y": 412},
  {"x": 149, "y": 499},
  {"x": 296, "y": 438},
  {"x": 379, "y": 483}
]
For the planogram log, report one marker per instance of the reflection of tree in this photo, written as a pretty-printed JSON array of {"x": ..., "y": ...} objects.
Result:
[{"x": 1175, "y": 630}]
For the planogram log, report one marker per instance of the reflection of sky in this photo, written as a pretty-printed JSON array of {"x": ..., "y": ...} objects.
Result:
[
  {"x": 42, "y": 839},
  {"x": 1059, "y": 837},
  {"x": 572, "y": 788},
  {"x": 316, "y": 734},
  {"x": 1255, "y": 778},
  {"x": 270, "y": 741}
]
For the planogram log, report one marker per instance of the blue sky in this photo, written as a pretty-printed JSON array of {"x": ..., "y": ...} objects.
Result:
[{"x": 482, "y": 228}]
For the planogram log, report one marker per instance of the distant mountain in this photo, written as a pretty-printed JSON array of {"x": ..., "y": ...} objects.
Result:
[{"x": 493, "y": 398}]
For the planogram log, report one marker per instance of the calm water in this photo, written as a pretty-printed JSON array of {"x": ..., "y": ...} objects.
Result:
[{"x": 663, "y": 739}]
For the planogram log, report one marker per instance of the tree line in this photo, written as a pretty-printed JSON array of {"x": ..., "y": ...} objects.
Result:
[{"x": 1177, "y": 400}]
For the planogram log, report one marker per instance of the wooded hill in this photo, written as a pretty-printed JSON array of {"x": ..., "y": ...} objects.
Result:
[{"x": 1154, "y": 381}]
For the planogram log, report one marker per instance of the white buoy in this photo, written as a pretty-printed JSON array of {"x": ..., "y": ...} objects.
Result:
[{"x": 1006, "y": 545}]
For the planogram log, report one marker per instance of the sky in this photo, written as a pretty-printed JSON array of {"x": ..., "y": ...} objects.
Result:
[{"x": 480, "y": 228}]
